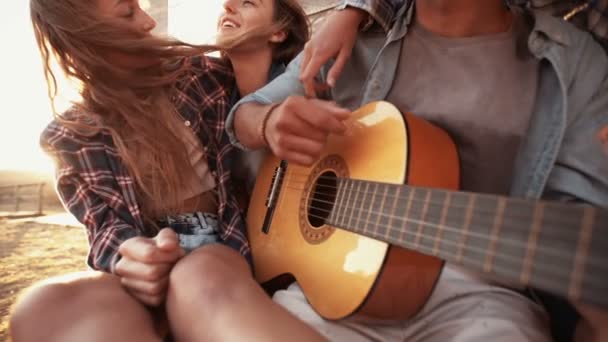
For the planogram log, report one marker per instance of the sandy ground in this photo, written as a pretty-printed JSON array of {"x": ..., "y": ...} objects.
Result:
[{"x": 35, "y": 249}]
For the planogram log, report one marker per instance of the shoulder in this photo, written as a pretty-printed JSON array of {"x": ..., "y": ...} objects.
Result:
[
  {"x": 579, "y": 58},
  {"x": 61, "y": 135},
  {"x": 208, "y": 80},
  {"x": 564, "y": 39}
]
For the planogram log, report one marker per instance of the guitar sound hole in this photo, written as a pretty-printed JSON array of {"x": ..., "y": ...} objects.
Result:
[{"x": 322, "y": 199}]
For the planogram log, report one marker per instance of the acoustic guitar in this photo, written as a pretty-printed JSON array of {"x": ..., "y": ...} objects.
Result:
[{"x": 365, "y": 230}]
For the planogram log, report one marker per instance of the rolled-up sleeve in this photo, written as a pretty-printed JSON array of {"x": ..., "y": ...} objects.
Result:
[{"x": 382, "y": 11}]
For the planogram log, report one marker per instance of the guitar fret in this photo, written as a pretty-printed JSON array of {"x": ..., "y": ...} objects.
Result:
[
  {"x": 582, "y": 251},
  {"x": 393, "y": 209},
  {"x": 369, "y": 212},
  {"x": 444, "y": 214},
  {"x": 532, "y": 243},
  {"x": 466, "y": 227},
  {"x": 341, "y": 207},
  {"x": 498, "y": 220},
  {"x": 349, "y": 207},
  {"x": 486, "y": 233},
  {"x": 380, "y": 212},
  {"x": 365, "y": 194},
  {"x": 408, "y": 206},
  {"x": 346, "y": 199},
  {"x": 422, "y": 218},
  {"x": 355, "y": 205}
]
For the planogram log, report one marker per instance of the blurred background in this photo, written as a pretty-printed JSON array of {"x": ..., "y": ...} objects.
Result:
[{"x": 24, "y": 106}]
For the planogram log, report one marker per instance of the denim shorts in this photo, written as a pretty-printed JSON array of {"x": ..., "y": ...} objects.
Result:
[{"x": 193, "y": 229}]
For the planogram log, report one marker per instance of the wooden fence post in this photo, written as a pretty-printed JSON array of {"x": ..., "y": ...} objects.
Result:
[
  {"x": 40, "y": 198},
  {"x": 16, "y": 192}
]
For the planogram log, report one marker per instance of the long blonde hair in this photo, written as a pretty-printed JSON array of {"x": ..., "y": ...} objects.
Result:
[{"x": 134, "y": 106}]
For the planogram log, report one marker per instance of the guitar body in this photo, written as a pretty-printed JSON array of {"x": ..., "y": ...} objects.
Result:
[{"x": 341, "y": 273}]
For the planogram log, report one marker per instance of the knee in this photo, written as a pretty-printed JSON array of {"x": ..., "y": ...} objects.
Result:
[
  {"x": 45, "y": 303},
  {"x": 210, "y": 274},
  {"x": 34, "y": 304}
]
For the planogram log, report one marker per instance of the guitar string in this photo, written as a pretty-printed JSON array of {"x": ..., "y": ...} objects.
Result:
[
  {"x": 291, "y": 180},
  {"x": 548, "y": 250},
  {"x": 563, "y": 205},
  {"x": 557, "y": 222},
  {"x": 589, "y": 260},
  {"x": 559, "y": 229},
  {"x": 549, "y": 271}
]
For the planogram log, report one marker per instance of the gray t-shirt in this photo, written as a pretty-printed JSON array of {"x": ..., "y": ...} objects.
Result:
[{"x": 481, "y": 90}]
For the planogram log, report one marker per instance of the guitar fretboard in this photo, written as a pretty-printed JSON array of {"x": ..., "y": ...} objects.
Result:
[{"x": 562, "y": 248}]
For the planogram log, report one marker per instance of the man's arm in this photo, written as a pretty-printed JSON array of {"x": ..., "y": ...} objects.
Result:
[
  {"x": 295, "y": 128},
  {"x": 336, "y": 37},
  {"x": 244, "y": 119}
]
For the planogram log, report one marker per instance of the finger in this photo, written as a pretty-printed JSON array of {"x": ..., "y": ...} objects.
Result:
[
  {"x": 307, "y": 82},
  {"x": 150, "y": 288},
  {"x": 309, "y": 88},
  {"x": 145, "y": 250},
  {"x": 136, "y": 270},
  {"x": 149, "y": 300},
  {"x": 325, "y": 116},
  {"x": 299, "y": 127},
  {"x": 297, "y": 158},
  {"x": 167, "y": 240},
  {"x": 336, "y": 69},
  {"x": 302, "y": 145},
  {"x": 313, "y": 67},
  {"x": 294, "y": 144},
  {"x": 307, "y": 52}
]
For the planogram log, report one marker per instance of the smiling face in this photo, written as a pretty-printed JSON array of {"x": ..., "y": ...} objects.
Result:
[{"x": 241, "y": 17}]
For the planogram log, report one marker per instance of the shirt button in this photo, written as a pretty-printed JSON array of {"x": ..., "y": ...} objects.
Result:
[{"x": 187, "y": 123}]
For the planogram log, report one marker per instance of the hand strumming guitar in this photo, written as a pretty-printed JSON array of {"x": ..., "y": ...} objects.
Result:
[{"x": 297, "y": 129}]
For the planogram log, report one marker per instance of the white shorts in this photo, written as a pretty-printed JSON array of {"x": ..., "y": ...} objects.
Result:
[{"x": 462, "y": 308}]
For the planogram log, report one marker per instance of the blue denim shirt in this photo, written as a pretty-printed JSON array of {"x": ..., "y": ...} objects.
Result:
[{"x": 561, "y": 156}]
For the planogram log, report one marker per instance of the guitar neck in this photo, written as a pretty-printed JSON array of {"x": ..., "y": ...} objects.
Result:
[{"x": 553, "y": 246}]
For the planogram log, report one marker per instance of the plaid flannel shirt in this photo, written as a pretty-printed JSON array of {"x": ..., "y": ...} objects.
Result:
[
  {"x": 96, "y": 188},
  {"x": 590, "y": 15}
]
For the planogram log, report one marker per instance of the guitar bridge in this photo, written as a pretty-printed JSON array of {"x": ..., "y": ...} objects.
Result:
[{"x": 273, "y": 194}]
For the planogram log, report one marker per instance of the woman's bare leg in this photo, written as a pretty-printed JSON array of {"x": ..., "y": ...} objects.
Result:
[
  {"x": 213, "y": 297},
  {"x": 79, "y": 307}
]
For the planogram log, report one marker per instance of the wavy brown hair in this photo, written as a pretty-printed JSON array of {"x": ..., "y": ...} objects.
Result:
[
  {"x": 133, "y": 106},
  {"x": 290, "y": 16}
]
